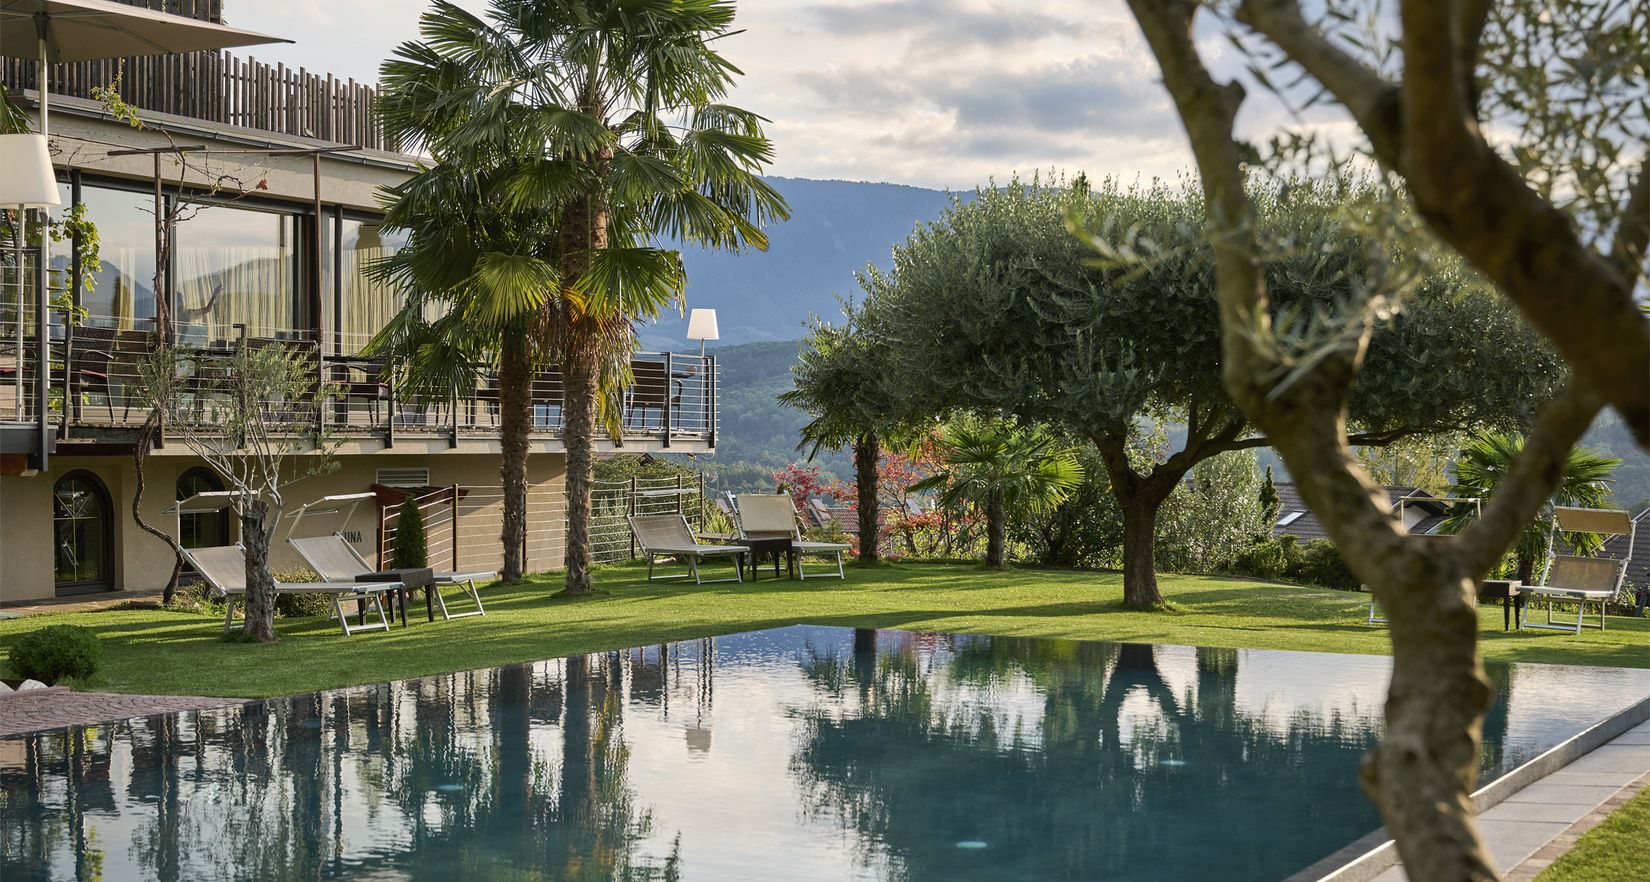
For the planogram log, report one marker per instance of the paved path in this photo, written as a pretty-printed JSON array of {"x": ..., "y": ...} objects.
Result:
[
  {"x": 79, "y": 603},
  {"x": 41, "y": 709},
  {"x": 1531, "y": 828}
]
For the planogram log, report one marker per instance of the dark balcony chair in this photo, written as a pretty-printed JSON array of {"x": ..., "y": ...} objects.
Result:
[
  {"x": 651, "y": 390},
  {"x": 90, "y": 356},
  {"x": 370, "y": 386}
]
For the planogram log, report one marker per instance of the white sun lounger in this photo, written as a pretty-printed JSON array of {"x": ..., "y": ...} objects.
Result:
[
  {"x": 668, "y": 535},
  {"x": 1582, "y": 580},
  {"x": 765, "y": 514},
  {"x": 337, "y": 561},
  {"x": 224, "y": 569}
]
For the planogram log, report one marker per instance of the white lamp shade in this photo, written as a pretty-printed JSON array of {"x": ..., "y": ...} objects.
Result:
[
  {"x": 26, "y": 177},
  {"x": 702, "y": 325}
]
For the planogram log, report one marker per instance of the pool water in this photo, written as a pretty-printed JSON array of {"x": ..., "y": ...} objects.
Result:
[{"x": 796, "y": 753}]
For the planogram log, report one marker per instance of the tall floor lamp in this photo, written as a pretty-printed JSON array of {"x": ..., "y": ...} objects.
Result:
[
  {"x": 702, "y": 327},
  {"x": 26, "y": 181}
]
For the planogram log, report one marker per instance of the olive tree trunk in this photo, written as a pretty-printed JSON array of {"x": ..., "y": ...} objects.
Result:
[
  {"x": 256, "y": 530},
  {"x": 515, "y": 398},
  {"x": 140, "y": 454},
  {"x": 867, "y": 454}
]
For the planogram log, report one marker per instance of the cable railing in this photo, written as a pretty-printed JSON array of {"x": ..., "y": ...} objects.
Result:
[{"x": 94, "y": 365}]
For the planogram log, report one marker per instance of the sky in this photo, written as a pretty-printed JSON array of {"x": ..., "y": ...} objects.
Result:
[{"x": 950, "y": 94}]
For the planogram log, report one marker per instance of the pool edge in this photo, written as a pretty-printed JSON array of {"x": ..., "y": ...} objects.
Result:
[{"x": 1359, "y": 862}]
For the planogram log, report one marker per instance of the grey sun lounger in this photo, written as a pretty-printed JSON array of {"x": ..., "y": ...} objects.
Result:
[
  {"x": 668, "y": 535},
  {"x": 337, "y": 561},
  {"x": 224, "y": 569},
  {"x": 773, "y": 514},
  {"x": 1582, "y": 580}
]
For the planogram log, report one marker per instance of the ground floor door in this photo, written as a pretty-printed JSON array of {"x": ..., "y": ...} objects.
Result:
[{"x": 82, "y": 535}]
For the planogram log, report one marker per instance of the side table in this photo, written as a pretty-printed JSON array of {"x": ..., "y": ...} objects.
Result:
[
  {"x": 410, "y": 578},
  {"x": 1512, "y": 601},
  {"x": 774, "y": 545}
]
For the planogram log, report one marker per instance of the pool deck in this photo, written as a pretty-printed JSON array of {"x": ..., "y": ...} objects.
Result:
[
  {"x": 1532, "y": 827},
  {"x": 40, "y": 710}
]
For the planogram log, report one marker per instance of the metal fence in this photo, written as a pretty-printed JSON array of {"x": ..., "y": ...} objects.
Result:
[{"x": 463, "y": 524}]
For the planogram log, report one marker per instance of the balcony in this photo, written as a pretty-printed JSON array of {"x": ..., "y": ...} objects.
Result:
[{"x": 93, "y": 390}]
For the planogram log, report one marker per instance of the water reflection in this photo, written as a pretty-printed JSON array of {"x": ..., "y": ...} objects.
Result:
[{"x": 798, "y": 753}]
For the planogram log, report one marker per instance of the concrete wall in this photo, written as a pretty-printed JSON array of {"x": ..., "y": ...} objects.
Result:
[{"x": 143, "y": 562}]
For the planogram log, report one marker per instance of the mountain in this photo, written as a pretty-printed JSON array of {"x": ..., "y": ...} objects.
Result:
[
  {"x": 836, "y": 228},
  {"x": 757, "y": 433}
]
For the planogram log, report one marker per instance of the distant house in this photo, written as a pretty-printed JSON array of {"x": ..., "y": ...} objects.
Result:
[{"x": 1295, "y": 519}]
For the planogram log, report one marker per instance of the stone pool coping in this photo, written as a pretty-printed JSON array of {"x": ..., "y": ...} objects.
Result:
[
  {"x": 1375, "y": 856},
  {"x": 58, "y": 708}
]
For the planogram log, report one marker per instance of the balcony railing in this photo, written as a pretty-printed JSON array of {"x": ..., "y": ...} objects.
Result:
[
  {"x": 93, "y": 384},
  {"x": 220, "y": 88}
]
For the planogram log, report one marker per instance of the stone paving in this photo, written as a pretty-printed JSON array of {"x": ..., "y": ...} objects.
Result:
[
  {"x": 41, "y": 709},
  {"x": 80, "y": 603},
  {"x": 1531, "y": 828}
]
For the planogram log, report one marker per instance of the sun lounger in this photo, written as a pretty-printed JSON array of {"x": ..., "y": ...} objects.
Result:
[
  {"x": 224, "y": 569},
  {"x": 336, "y": 560},
  {"x": 766, "y": 515},
  {"x": 668, "y": 535},
  {"x": 1582, "y": 580}
]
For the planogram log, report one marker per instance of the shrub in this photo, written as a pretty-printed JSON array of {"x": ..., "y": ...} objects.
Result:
[
  {"x": 1267, "y": 559},
  {"x": 409, "y": 551},
  {"x": 1319, "y": 563},
  {"x": 55, "y": 652}
]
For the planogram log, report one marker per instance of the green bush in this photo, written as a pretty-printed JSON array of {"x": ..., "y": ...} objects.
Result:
[
  {"x": 409, "y": 550},
  {"x": 1319, "y": 563},
  {"x": 55, "y": 652},
  {"x": 1267, "y": 559}
]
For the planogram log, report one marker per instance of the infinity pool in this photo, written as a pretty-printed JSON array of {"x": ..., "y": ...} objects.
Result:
[{"x": 798, "y": 753}]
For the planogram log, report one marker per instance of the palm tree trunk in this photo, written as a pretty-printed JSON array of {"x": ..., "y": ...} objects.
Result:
[
  {"x": 515, "y": 382},
  {"x": 867, "y": 452},
  {"x": 996, "y": 526},
  {"x": 256, "y": 531},
  {"x": 581, "y": 377}
]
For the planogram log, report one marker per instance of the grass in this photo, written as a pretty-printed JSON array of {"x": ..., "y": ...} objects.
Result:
[
  {"x": 164, "y": 651},
  {"x": 1615, "y": 850}
]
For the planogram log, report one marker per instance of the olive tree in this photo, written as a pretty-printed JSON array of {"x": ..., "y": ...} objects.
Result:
[
  {"x": 997, "y": 308},
  {"x": 1554, "y": 211},
  {"x": 255, "y": 416}
]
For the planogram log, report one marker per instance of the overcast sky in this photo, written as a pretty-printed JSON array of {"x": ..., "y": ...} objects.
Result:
[{"x": 937, "y": 93}]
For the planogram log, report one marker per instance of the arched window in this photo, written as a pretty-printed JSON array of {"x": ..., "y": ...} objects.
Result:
[
  {"x": 206, "y": 529},
  {"x": 82, "y": 534}
]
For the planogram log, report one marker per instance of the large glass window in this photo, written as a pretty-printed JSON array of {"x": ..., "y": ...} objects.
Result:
[
  {"x": 81, "y": 520},
  {"x": 120, "y": 292},
  {"x": 364, "y": 304},
  {"x": 236, "y": 266}
]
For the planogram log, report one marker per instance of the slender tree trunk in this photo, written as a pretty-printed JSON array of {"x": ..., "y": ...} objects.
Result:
[
  {"x": 515, "y": 388},
  {"x": 140, "y": 453},
  {"x": 867, "y": 453},
  {"x": 1526, "y": 569},
  {"x": 581, "y": 378},
  {"x": 996, "y": 529},
  {"x": 256, "y": 530}
]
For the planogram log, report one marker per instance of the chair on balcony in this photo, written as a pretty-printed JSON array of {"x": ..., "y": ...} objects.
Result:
[
  {"x": 370, "y": 386},
  {"x": 652, "y": 389},
  {"x": 90, "y": 359}
]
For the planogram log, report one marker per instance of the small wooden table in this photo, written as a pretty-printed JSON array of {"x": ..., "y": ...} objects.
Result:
[
  {"x": 1512, "y": 601},
  {"x": 409, "y": 579}
]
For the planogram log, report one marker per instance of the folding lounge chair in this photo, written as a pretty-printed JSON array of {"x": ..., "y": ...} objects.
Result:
[
  {"x": 774, "y": 514},
  {"x": 338, "y": 561},
  {"x": 1582, "y": 580},
  {"x": 668, "y": 535},
  {"x": 224, "y": 568}
]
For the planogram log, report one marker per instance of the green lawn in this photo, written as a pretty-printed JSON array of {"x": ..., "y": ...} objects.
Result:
[
  {"x": 1615, "y": 850},
  {"x": 150, "y": 650}
]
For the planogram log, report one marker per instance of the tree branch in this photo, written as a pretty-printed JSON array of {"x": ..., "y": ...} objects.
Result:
[
  {"x": 1632, "y": 237},
  {"x": 1530, "y": 481}
]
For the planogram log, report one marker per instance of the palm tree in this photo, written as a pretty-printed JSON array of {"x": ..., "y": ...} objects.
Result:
[
  {"x": 1002, "y": 469},
  {"x": 573, "y": 138},
  {"x": 1482, "y": 466}
]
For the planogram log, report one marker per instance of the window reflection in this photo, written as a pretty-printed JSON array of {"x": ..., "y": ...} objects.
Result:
[
  {"x": 118, "y": 293},
  {"x": 236, "y": 266}
]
